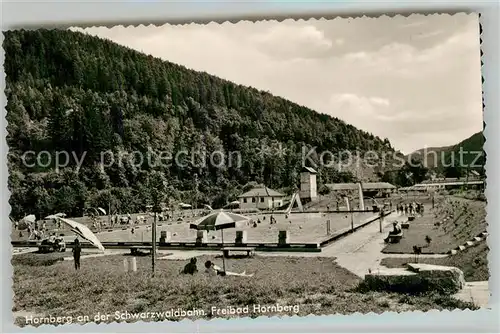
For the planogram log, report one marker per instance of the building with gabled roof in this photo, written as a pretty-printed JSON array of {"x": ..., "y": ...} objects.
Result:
[
  {"x": 261, "y": 198},
  {"x": 369, "y": 188}
]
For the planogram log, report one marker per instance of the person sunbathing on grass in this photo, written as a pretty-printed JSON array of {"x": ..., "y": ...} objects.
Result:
[
  {"x": 214, "y": 270},
  {"x": 190, "y": 268}
]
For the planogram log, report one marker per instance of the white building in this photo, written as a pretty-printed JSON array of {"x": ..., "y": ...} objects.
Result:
[
  {"x": 370, "y": 189},
  {"x": 308, "y": 187},
  {"x": 447, "y": 183},
  {"x": 261, "y": 198}
]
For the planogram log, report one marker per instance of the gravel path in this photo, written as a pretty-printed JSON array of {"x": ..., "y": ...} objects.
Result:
[{"x": 360, "y": 251}]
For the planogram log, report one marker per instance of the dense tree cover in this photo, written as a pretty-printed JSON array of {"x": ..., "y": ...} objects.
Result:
[
  {"x": 75, "y": 93},
  {"x": 465, "y": 156},
  {"x": 451, "y": 162},
  {"x": 412, "y": 172},
  {"x": 454, "y": 161}
]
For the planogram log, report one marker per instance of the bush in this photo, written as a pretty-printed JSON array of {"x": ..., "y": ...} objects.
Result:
[{"x": 36, "y": 259}]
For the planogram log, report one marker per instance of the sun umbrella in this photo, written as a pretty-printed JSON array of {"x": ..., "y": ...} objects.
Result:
[
  {"x": 218, "y": 221},
  {"x": 84, "y": 232},
  {"x": 208, "y": 207},
  {"x": 102, "y": 210},
  {"x": 29, "y": 219},
  {"x": 57, "y": 215},
  {"x": 184, "y": 205}
]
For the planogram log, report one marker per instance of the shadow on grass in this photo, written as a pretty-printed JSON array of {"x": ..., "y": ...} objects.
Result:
[
  {"x": 37, "y": 258},
  {"x": 233, "y": 257},
  {"x": 144, "y": 254}
]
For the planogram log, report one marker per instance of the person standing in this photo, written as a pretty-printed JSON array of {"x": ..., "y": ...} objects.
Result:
[{"x": 77, "y": 250}]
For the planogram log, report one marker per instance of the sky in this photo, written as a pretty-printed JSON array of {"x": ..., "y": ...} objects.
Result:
[{"x": 415, "y": 80}]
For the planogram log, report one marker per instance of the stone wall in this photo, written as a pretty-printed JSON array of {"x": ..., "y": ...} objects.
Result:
[{"x": 416, "y": 278}]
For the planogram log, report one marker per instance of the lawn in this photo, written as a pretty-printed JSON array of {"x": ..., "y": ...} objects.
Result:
[
  {"x": 317, "y": 285},
  {"x": 468, "y": 220},
  {"x": 473, "y": 261},
  {"x": 35, "y": 259}
]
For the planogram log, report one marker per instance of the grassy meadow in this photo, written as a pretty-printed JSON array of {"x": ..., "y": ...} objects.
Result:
[
  {"x": 318, "y": 285},
  {"x": 468, "y": 219}
]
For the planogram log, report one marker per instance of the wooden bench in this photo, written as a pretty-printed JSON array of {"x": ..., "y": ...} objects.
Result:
[
  {"x": 249, "y": 250},
  {"x": 136, "y": 250},
  {"x": 394, "y": 238}
]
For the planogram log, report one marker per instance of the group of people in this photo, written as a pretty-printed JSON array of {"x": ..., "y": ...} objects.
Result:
[
  {"x": 117, "y": 220},
  {"x": 211, "y": 269},
  {"x": 35, "y": 231},
  {"x": 272, "y": 221},
  {"x": 410, "y": 208}
]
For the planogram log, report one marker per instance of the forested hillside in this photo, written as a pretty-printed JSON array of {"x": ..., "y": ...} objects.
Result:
[
  {"x": 473, "y": 157},
  {"x": 72, "y": 92},
  {"x": 434, "y": 155}
]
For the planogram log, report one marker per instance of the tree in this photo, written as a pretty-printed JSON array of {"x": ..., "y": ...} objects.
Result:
[
  {"x": 73, "y": 92},
  {"x": 157, "y": 186}
]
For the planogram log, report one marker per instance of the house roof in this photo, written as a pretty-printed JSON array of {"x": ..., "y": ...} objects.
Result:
[
  {"x": 365, "y": 186},
  {"x": 342, "y": 186},
  {"x": 451, "y": 180},
  {"x": 377, "y": 185},
  {"x": 309, "y": 169},
  {"x": 261, "y": 191}
]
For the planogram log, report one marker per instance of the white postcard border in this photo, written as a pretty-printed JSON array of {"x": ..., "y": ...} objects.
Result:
[{"x": 33, "y": 14}]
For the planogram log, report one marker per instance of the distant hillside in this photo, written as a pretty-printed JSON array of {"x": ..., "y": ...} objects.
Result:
[
  {"x": 73, "y": 92},
  {"x": 474, "y": 143},
  {"x": 434, "y": 155},
  {"x": 472, "y": 148}
]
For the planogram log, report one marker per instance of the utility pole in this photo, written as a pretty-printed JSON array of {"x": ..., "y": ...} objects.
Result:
[
  {"x": 153, "y": 249},
  {"x": 195, "y": 192},
  {"x": 158, "y": 190},
  {"x": 467, "y": 176},
  {"x": 381, "y": 218},
  {"x": 109, "y": 212},
  {"x": 352, "y": 217},
  {"x": 352, "y": 223}
]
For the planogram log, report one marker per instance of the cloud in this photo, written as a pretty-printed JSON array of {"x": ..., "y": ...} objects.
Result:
[
  {"x": 359, "y": 110},
  {"x": 414, "y": 24},
  {"x": 408, "y": 60},
  {"x": 361, "y": 103},
  {"x": 429, "y": 34},
  {"x": 339, "y": 41},
  {"x": 288, "y": 41},
  {"x": 369, "y": 72},
  {"x": 379, "y": 101}
]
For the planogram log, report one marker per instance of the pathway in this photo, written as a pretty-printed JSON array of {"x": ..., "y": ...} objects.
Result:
[
  {"x": 475, "y": 292},
  {"x": 361, "y": 251}
]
